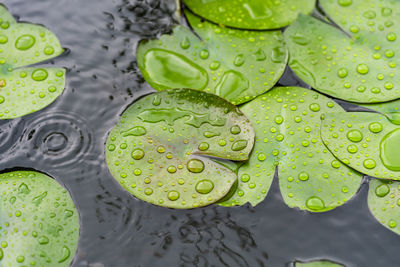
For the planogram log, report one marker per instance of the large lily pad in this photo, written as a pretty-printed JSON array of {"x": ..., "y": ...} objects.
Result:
[
  {"x": 234, "y": 64},
  {"x": 322, "y": 263},
  {"x": 160, "y": 150},
  {"x": 24, "y": 90},
  {"x": 253, "y": 14},
  {"x": 357, "y": 64},
  {"x": 384, "y": 203},
  {"x": 368, "y": 142},
  {"x": 287, "y": 125},
  {"x": 38, "y": 220}
]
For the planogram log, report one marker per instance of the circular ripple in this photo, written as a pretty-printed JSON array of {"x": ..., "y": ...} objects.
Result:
[
  {"x": 10, "y": 131},
  {"x": 59, "y": 139}
]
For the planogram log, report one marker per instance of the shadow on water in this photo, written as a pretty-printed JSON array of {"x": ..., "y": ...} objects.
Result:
[{"x": 66, "y": 140}]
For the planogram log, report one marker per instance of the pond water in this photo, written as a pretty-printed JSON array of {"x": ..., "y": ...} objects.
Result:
[{"x": 66, "y": 140}]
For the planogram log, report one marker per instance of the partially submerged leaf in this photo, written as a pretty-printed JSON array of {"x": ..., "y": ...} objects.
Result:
[
  {"x": 321, "y": 263},
  {"x": 358, "y": 66},
  {"x": 367, "y": 142},
  {"x": 39, "y": 221},
  {"x": 160, "y": 150},
  {"x": 287, "y": 126},
  {"x": 254, "y": 14},
  {"x": 234, "y": 64},
  {"x": 25, "y": 90},
  {"x": 384, "y": 203}
]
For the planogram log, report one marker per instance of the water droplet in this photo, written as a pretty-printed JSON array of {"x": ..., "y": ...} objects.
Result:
[
  {"x": 369, "y": 14},
  {"x": 204, "y": 54},
  {"x": 235, "y": 129},
  {"x": 43, "y": 240},
  {"x": 352, "y": 149},
  {"x": 24, "y": 42},
  {"x": 345, "y": 2},
  {"x": 369, "y": 163},
  {"x": 48, "y": 50},
  {"x": 300, "y": 39},
  {"x": 209, "y": 134},
  {"x": 173, "y": 195},
  {"x": 391, "y": 36},
  {"x": 39, "y": 75},
  {"x": 278, "y": 119},
  {"x": 203, "y": 146},
  {"x": 171, "y": 169},
  {"x": 3, "y": 39},
  {"x": 222, "y": 142},
  {"x": 260, "y": 55},
  {"x": 239, "y": 60},
  {"x": 342, "y": 72},
  {"x": 137, "y": 154},
  {"x": 160, "y": 149},
  {"x": 389, "y": 150},
  {"x": 393, "y": 117},
  {"x": 375, "y": 127},
  {"x": 24, "y": 189},
  {"x": 214, "y": 65},
  {"x": 204, "y": 186},
  {"x": 335, "y": 164},
  {"x": 315, "y": 107},
  {"x": 239, "y": 145},
  {"x": 261, "y": 156},
  {"x": 355, "y": 136},
  {"x": 386, "y": 11},
  {"x": 245, "y": 178},
  {"x": 185, "y": 43},
  {"x": 232, "y": 84},
  {"x": 195, "y": 165},
  {"x": 148, "y": 191},
  {"x": 382, "y": 190},
  {"x": 66, "y": 253},
  {"x": 303, "y": 176},
  {"x": 362, "y": 69},
  {"x": 171, "y": 70},
  {"x": 315, "y": 203},
  {"x": 135, "y": 131}
]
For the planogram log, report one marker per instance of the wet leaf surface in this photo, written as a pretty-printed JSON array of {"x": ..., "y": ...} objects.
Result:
[
  {"x": 287, "y": 125},
  {"x": 24, "y": 90},
  {"x": 357, "y": 64},
  {"x": 160, "y": 150},
  {"x": 367, "y": 142},
  {"x": 39, "y": 221},
  {"x": 256, "y": 14},
  {"x": 234, "y": 64},
  {"x": 321, "y": 263}
]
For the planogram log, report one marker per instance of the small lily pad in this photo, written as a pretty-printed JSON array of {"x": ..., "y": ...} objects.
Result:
[
  {"x": 162, "y": 149},
  {"x": 386, "y": 107},
  {"x": 287, "y": 125},
  {"x": 234, "y": 64},
  {"x": 255, "y": 14},
  {"x": 357, "y": 64},
  {"x": 367, "y": 142},
  {"x": 24, "y": 90},
  {"x": 39, "y": 221},
  {"x": 322, "y": 263},
  {"x": 384, "y": 203}
]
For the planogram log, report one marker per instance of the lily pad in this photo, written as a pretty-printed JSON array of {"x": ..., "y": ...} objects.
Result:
[
  {"x": 39, "y": 221},
  {"x": 254, "y": 14},
  {"x": 162, "y": 149},
  {"x": 387, "y": 107},
  {"x": 357, "y": 64},
  {"x": 367, "y": 142},
  {"x": 24, "y": 90},
  {"x": 384, "y": 203},
  {"x": 322, "y": 263},
  {"x": 234, "y": 64},
  {"x": 287, "y": 125}
]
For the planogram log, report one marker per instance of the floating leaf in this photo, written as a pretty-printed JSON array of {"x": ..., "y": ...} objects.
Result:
[
  {"x": 160, "y": 150},
  {"x": 322, "y": 263},
  {"x": 234, "y": 64},
  {"x": 384, "y": 203},
  {"x": 367, "y": 142},
  {"x": 387, "y": 107},
  {"x": 358, "y": 66},
  {"x": 39, "y": 221},
  {"x": 287, "y": 126},
  {"x": 25, "y": 90},
  {"x": 254, "y": 14}
]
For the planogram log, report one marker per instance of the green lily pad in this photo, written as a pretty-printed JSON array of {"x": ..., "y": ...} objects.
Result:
[
  {"x": 234, "y": 64},
  {"x": 287, "y": 125},
  {"x": 323, "y": 263},
  {"x": 358, "y": 65},
  {"x": 39, "y": 221},
  {"x": 384, "y": 203},
  {"x": 254, "y": 14},
  {"x": 387, "y": 107},
  {"x": 162, "y": 149},
  {"x": 24, "y": 90},
  {"x": 367, "y": 142}
]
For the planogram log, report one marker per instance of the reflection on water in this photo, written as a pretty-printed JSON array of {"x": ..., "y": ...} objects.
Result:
[{"x": 66, "y": 140}]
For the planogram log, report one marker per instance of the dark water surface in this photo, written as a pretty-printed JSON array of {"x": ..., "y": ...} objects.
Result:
[{"x": 66, "y": 140}]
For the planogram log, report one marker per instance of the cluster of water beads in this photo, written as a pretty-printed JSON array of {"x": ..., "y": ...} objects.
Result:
[{"x": 34, "y": 193}]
